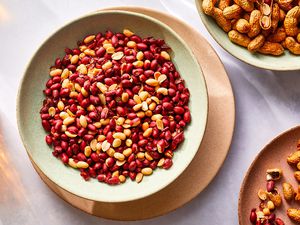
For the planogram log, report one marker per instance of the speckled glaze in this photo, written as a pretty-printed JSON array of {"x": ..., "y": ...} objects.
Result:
[
  {"x": 273, "y": 155},
  {"x": 30, "y": 100},
  {"x": 285, "y": 62}
]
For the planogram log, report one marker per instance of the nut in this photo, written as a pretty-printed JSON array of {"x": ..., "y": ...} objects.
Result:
[
  {"x": 262, "y": 194},
  {"x": 288, "y": 191},
  {"x": 294, "y": 214},
  {"x": 275, "y": 197},
  {"x": 273, "y": 174}
]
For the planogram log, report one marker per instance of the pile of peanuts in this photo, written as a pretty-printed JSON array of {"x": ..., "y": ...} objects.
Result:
[
  {"x": 264, "y": 26},
  {"x": 115, "y": 107},
  {"x": 270, "y": 199}
]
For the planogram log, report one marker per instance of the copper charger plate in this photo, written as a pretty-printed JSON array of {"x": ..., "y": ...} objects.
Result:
[{"x": 205, "y": 165}]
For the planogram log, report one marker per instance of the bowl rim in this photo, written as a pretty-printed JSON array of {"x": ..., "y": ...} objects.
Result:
[
  {"x": 240, "y": 56},
  {"x": 83, "y": 16}
]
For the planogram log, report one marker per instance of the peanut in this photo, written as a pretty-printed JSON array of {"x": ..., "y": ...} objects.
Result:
[
  {"x": 270, "y": 48},
  {"x": 254, "y": 23},
  {"x": 293, "y": 158},
  {"x": 242, "y": 26},
  {"x": 288, "y": 191},
  {"x": 278, "y": 36},
  {"x": 221, "y": 20},
  {"x": 294, "y": 214},
  {"x": 256, "y": 43},
  {"x": 208, "y": 6},
  {"x": 239, "y": 38},
  {"x": 291, "y": 21},
  {"x": 232, "y": 12},
  {"x": 247, "y": 5},
  {"x": 292, "y": 45},
  {"x": 223, "y": 4},
  {"x": 275, "y": 16},
  {"x": 275, "y": 198}
]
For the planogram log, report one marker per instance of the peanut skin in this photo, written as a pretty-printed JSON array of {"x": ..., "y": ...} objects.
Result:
[
  {"x": 254, "y": 23},
  {"x": 232, "y": 12},
  {"x": 208, "y": 6},
  {"x": 247, "y": 5},
  {"x": 221, "y": 20},
  {"x": 270, "y": 48},
  {"x": 294, "y": 214},
  {"x": 238, "y": 38},
  {"x": 278, "y": 36},
  {"x": 256, "y": 43},
  {"x": 291, "y": 21},
  {"x": 292, "y": 45}
]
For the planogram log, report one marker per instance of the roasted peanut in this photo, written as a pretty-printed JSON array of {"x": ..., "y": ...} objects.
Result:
[
  {"x": 242, "y": 26},
  {"x": 232, "y": 12},
  {"x": 262, "y": 195},
  {"x": 223, "y": 4},
  {"x": 293, "y": 158},
  {"x": 278, "y": 36},
  {"x": 238, "y": 38},
  {"x": 256, "y": 43},
  {"x": 254, "y": 23},
  {"x": 294, "y": 214},
  {"x": 292, "y": 45},
  {"x": 275, "y": 16},
  {"x": 270, "y": 48},
  {"x": 275, "y": 198},
  {"x": 247, "y": 5},
  {"x": 291, "y": 21},
  {"x": 274, "y": 174},
  {"x": 288, "y": 191},
  {"x": 208, "y": 6},
  {"x": 297, "y": 175},
  {"x": 221, "y": 20}
]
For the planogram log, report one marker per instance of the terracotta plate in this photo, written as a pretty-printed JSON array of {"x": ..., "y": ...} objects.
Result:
[
  {"x": 219, "y": 124},
  {"x": 274, "y": 155}
]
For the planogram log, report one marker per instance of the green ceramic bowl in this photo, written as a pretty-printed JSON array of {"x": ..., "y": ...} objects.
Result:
[
  {"x": 30, "y": 99},
  {"x": 284, "y": 62}
]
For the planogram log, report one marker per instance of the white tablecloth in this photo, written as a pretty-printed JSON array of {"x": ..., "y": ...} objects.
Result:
[{"x": 266, "y": 104}]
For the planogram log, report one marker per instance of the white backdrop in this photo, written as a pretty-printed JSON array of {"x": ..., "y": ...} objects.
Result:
[{"x": 267, "y": 103}]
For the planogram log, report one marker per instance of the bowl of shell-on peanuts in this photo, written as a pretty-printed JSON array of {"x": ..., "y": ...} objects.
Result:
[
  {"x": 112, "y": 106},
  {"x": 263, "y": 33}
]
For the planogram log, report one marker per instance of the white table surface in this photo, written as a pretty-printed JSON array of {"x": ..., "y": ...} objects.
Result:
[{"x": 267, "y": 103}]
